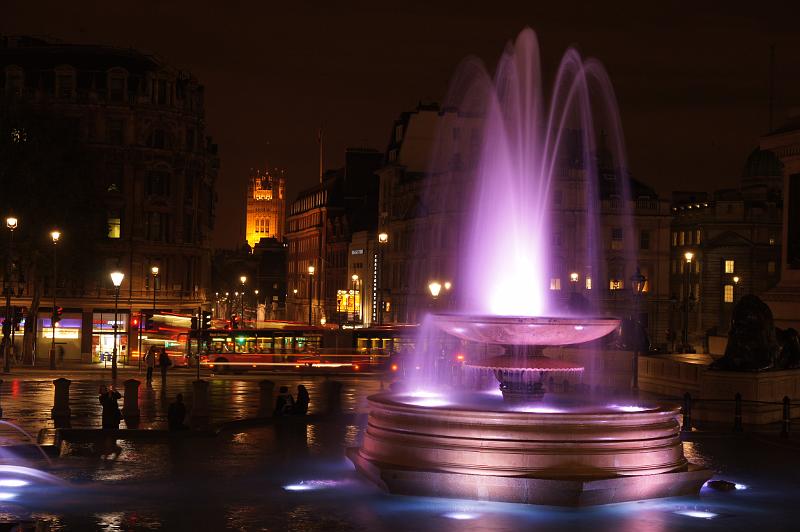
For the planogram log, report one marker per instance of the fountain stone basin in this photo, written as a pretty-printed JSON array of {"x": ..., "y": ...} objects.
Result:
[
  {"x": 567, "y": 456},
  {"x": 521, "y": 378},
  {"x": 525, "y": 330}
]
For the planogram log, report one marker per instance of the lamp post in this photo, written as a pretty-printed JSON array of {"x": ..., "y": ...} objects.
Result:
[
  {"x": 11, "y": 224},
  {"x": 736, "y": 280},
  {"x": 265, "y": 307},
  {"x": 243, "y": 280},
  {"x": 688, "y": 281},
  {"x": 638, "y": 282},
  {"x": 383, "y": 239},
  {"x": 310, "y": 287},
  {"x": 435, "y": 288},
  {"x": 116, "y": 278},
  {"x": 154, "y": 271},
  {"x": 54, "y": 236}
]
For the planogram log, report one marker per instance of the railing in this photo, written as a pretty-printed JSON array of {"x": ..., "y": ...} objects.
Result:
[{"x": 786, "y": 421}]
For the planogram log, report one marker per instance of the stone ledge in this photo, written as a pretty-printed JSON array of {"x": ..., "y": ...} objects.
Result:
[{"x": 551, "y": 492}]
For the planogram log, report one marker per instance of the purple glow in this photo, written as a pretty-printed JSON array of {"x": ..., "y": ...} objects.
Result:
[
  {"x": 460, "y": 516},
  {"x": 533, "y": 409},
  {"x": 700, "y": 514},
  {"x": 528, "y": 143},
  {"x": 629, "y": 408}
]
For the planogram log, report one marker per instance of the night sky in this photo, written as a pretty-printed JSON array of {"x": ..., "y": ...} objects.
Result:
[{"x": 691, "y": 82}]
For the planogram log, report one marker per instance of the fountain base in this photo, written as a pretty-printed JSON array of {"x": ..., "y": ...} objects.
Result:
[{"x": 526, "y": 490}]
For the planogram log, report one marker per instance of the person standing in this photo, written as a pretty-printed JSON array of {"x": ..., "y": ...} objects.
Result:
[
  {"x": 164, "y": 363},
  {"x": 300, "y": 407},
  {"x": 284, "y": 402},
  {"x": 111, "y": 415},
  {"x": 150, "y": 362}
]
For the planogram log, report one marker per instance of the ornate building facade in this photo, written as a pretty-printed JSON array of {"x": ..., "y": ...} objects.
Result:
[
  {"x": 142, "y": 126},
  {"x": 266, "y": 206}
]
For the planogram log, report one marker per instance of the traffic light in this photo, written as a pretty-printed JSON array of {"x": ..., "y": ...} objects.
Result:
[
  {"x": 234, "y": 321},
  {"x": 194, "y": 323},
  {"x": 134, "y": 323},
  {"x": 57, "y": 312},
  {"x": 205, "y": 320}
]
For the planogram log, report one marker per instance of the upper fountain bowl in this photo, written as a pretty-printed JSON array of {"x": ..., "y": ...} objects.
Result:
[{"x": 525, "y": 330}]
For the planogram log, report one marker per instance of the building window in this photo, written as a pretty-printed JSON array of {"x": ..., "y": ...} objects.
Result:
[
  {"x": 772, "y": 241},
  {"x": 158, "y": 139},
  {"x": 682, "y": 239},
  {"x": 588, "y": 283},
  {"x": 689, "y": 237},
  {"x": 398, "y": 133},
  {"x": 771, "y": 266},
  {"x": 555, "y": 283},
  {"x": 114, "y": 131},
  {"x": 674, "y": 238},
  {"x": 728, "y": 266},
  {"x": 114, "y": 226},
  {"x": 728, "y": 293},
  {"x": 697, "y": 236},
  {"x": 616, "y": 238},
  {"x": 116, "y": 89},
  {"x": 157, "y": 183},
  {"x": 14, "y": 81},
  {"x": 615, "y": 284},
  {"x": 644, "y": 240},
  {"x": 66, "y": 86},
  {"x": 114, "y": 177}
]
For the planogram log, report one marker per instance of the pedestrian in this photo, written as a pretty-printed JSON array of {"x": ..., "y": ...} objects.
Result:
[
  {"x": 284, "y": 402},
  {"x": 164, "y": 363},
  {"x": 60, "y": 354},
  {"x": 300, "y": 407},
  {"x": 176, "y": 413},
  {"x": 150, "y": 362},
  {"x": 108, "y": 401}
]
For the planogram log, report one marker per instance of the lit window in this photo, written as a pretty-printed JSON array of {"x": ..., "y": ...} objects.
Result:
[
  {"x": 555, "y": 283},
  {"x": 728, "y": 294},
  {"x": 697, "y": 236},
  {"x": 588, "y": 283},
  {"x": 616, "y": 238},
  {"x": 674, "y": 238},
  {"x": 728, "y": 266},
  {"x": 771, "y": 267},
  {"x": 615, "y": 284},
  {"x": 772, "y": 241},
  {"x": 682, "y": 239},
  {"x": 114, "y": 228}
]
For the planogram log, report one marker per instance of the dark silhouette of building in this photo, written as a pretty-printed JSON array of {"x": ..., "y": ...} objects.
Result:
[{"x": 141, "y": 125}]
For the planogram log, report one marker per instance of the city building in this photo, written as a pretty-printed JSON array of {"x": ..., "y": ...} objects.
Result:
[
  {"x": 146, "y": 155},
  {"x": 784, "y": 299},
  {"x": 424, "y": 202},
  {"x": 266, "y": 206},
  {"x": 319, "y": 228},
  {"x": 733, "y": 237}
]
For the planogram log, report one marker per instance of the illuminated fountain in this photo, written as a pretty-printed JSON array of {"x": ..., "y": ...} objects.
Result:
[{"x": 519, "y": 442}]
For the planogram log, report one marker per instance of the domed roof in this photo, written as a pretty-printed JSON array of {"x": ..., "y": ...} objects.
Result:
[{"x": 762, "y": 163}]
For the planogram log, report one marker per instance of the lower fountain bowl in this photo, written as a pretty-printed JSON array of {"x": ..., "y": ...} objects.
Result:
[{"x": 565, "y": 458}]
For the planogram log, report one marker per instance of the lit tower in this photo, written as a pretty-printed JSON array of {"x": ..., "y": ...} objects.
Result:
[{"x": 266, "y": 206}]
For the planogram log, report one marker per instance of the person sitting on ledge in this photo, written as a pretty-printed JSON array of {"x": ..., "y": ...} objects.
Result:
[
  {"x": 300, "y": 407},
  {"x": 108, "y": 400},
  {"x": 284, "y": 403},
  {"x": 176, "y": 413}
]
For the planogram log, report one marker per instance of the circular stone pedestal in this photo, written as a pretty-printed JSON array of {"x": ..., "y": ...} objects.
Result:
[{"x": 533, "y": 457}]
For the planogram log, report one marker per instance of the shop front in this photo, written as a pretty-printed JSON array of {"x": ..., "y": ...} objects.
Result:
[
  {"x": 103, "y": 336},
  {"x": 67, "y": 334}
]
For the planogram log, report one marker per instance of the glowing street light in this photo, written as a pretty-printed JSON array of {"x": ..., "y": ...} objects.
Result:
[
  {"x": 154, "y": 271},
  {"x": 435, "y": 287},
  {"x": 54, "y": 236},
  {"x": 448, "y": 285},
  {"x": 383, "y": 239},
  {"x": 116, "y": 278},
  {"x": 311, "y": 271},
  {"x": 11, "y": 224},
  {"x": 573, "y": 277},
  {"x": 688, "y": 256}
]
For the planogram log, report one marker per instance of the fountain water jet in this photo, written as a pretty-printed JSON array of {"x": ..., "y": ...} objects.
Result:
[{"x": 565, "y": 450}]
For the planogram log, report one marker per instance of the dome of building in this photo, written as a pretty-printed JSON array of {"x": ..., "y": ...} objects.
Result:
[{"x": 762, "y": 163}]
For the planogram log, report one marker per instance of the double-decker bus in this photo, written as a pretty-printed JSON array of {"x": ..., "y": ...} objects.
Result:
[{"x": 279, "y": 345}]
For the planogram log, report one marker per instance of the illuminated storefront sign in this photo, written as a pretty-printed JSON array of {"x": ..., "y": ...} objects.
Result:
[{"x": 62, "y": 333}]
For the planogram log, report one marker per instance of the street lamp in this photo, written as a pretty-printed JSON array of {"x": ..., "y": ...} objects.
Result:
[
  {"x": 688, "y": 280},
  {"x": 638, "y": 283},
  {"x": 154, "y": 271},
  {"x": 265, "y": 308},
  {"x": 736, "y": 280},
  {"x": 354, "y": 278},
  {"x": 242, "y": 279},
  {"x": 383, "y": 239},
  {"x": 8, "y": 327},
  {"x": 54, "y": 236},
  {"x": 310, "y": 287},
  {"x": 435, "y": 287},
  {"x": 116, "y": 278}
]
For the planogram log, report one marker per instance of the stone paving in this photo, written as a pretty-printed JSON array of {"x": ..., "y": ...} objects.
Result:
[{"x": 27, "y": 396}]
